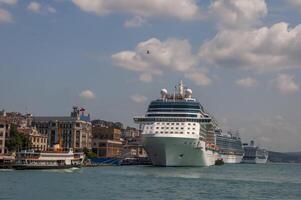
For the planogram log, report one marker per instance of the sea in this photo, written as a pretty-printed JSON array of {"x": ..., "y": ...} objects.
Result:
[{"x": 232, "y": 181}]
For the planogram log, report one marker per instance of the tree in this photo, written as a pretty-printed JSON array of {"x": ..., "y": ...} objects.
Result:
[{"x": 17, "y": 141}]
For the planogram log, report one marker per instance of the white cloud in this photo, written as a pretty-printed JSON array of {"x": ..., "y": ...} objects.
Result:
[
  {"x": 237, "y": 13},
  {"x": 87, "y": 94},
  {"x": 39, "y": 8},
  {"x": 198, "y": 77},
  {"x": 5, "y": 16},
  {"x": 246, "y": 82},
  {"x": 263, "y": 49},
  {"x": 153, "y": 57},
  {"x": 136, "y": 21},
  {"x": 295, "y": 3},
  {"x": 34, "y": 6},
  {"x": 145, "y": 77},
  {"x": 138, "y": 98},
  {"x": 8, "y": 2},
  {"x": 286, "y": 84},
  {"x": 182, "y": 9},
  {"x": 51, "y": 9}
]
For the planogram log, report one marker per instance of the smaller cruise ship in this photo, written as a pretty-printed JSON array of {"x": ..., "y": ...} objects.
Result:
[
  {"x": 230, "y": 146},
  {"x": 31, "y": 159},
  {"x": 254, "y": 154}
]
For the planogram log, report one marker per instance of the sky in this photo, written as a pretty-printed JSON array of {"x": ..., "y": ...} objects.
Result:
[{"x": 241, "y": 58}]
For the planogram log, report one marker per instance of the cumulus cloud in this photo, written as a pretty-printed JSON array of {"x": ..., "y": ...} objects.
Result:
[
  {"x": 246, "y": 82},
  {"x": 39, "y": 8},
  {"x": 8, "y": 2},
  {"x": 153, "y": 57},
  {"x": 136, "y": 21},
  {"x": 145, "y": 77},
  {"x": 138, "y": 98},
  {"x": 198, "y": 77},
  {"x": 286, "y": 84},
  {"x": 295, "y": 3},
  {"x": 182, "y": 9},
  {"x": 34, "y": 6},
  {"x": 5, "y": 16},
  {"x": 87, "y": 94},
  {"x": 263, "y": 49},
  {"x": 237, "y": 14}
]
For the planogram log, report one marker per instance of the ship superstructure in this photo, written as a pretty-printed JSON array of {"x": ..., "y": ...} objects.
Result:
[
  {"x": 230, "y": 146},
  {"x": 174, "y": 130},
  {"x": 254, "y": 154}
]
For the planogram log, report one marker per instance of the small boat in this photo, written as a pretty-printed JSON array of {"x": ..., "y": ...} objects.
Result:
[
  {"x": 219, "y": 162},
  {"x": 31, "y": 159}
]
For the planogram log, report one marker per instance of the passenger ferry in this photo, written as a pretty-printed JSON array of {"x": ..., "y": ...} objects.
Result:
[
  {"x": 174, "y": 130},
  {"x": 31, "y": 159},
  {"x": 254, "y": 154}
]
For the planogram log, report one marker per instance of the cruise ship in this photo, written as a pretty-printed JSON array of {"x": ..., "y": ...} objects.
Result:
[
  {"x": 254, "y": 154},
  {"x": 31, "y": 159},
  {"x": 174, "y": 130},
  {"x": 230, "y": 146}
]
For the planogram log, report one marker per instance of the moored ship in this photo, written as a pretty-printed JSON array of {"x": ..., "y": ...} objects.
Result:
[
  {"x": 230, "y": 146},
  {"x": 174, "y": 130},
  {"x": 254, "y": 154},
  {"x": 31, "y": 159}
]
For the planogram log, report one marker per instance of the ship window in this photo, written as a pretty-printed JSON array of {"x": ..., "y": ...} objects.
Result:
[
  {"x": 161, "y": 132},
  {"x": 172, "y": 123},
  {"x": 171, "y": 132},
  {"x": 193, "y": 128},
  {"x": 177, "y": 127},
  {"x": 177, "y": 123},
  {"x": 188, "y": 128},
  {"x": 167, "y": 127},
  {"x": 182, "y": 123},
  {"x": 167, "y": 123},
  {"x": 188, "y": 123},
  {"x": 166, "y": 132},
  {"x": 171, "y": 128},
  {"x": 157, "y": 132},
  {"x": 187, "y": 132},
  {"x": 181, "y": 132},
  {"x": 192, "y": 132},
  {"x": 193, "y": 124},
  {"x": 163, "y": 123},
  {"x": 182, "y": 128},
  {"x": 162, "y": 127},
  {"x": 157, "y": 127}
]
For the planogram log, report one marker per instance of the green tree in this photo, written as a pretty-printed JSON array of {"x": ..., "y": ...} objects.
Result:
[
  {"x": 89, "y": 153},
  {"x": 17, "y": 141}
]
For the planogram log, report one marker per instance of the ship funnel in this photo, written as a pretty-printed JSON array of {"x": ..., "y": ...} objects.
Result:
[{"x": 252, "y": 143}]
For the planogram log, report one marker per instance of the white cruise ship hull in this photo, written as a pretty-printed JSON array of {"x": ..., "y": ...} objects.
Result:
[
  {"x": 177, "y": 151},
  {"x": 255, "y": 161},
  {"x": 231, "y": 159}
]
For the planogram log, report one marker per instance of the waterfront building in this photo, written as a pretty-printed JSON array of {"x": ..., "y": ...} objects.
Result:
[
  {"x": 74, "y": 131},
  {"x": 4, "y": 134},
  {"x": 106, "y": 141},
  {"x": 130, "y": 132},
  {"x": 37, "y": 140}
]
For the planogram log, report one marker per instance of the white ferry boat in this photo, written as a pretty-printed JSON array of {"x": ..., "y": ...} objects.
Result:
[
  {"x": 174, "y": 130},
  {"x": 31, "y": 159},
  {"x": 254, "y": 154}
]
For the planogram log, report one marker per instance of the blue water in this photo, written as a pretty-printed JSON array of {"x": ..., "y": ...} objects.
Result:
[{"x": 271, "y": 181}]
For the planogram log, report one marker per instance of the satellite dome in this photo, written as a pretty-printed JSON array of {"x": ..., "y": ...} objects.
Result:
[
  {"x": 164, "y": 93},
  {"x": 188, "y": 93}
]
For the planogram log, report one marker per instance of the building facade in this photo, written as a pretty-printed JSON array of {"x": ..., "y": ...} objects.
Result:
[
  {"x": 74, "y": 131},
  {"x": 4, "y": 134},
  {"x": 37, "y": 140},
  {"x": 106, "y": 141}
]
